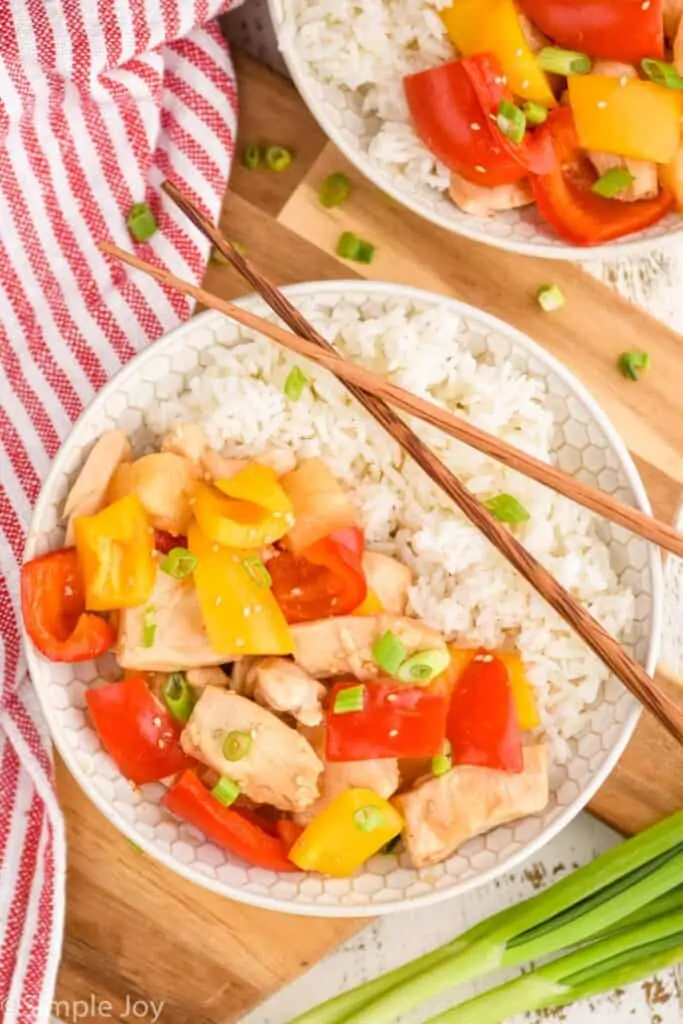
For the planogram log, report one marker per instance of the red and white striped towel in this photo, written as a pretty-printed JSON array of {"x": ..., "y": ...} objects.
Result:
[{"x": 100, "y": 100}]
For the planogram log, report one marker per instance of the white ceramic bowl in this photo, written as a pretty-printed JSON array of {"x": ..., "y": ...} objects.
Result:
[
  {"x": 338, "y": 113},
  {"x": 584, "y": 437}
]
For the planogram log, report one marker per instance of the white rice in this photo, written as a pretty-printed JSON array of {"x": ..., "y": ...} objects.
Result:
[
  {"x": 463, "y": 587},
  {"x": 359, "y": 53}
]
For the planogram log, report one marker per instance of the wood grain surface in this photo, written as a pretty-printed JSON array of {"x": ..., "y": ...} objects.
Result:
[{"x": 135, "y": 931}]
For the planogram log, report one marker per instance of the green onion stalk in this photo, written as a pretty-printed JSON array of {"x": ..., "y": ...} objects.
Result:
[{"x": 615, "y": 887}]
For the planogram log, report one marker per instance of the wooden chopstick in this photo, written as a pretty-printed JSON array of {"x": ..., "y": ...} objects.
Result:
[
  {"x": 607, "y": 648},
  {"x": 633, "y": 519}
]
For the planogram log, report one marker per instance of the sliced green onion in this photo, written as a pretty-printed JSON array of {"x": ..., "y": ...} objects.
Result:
[
  {"x": 335, "y": 190},
  {"x": 348, "y": 700},
  {"x": 141, "y": 222},
  {"x": 178, "y": 696},
  {"x": 424, "y": 666},
  {"x": 507, "y": 509},
  {"x": 596, "y": 898},
  {"x": 278, "y": 158},
  {"x": 179, "y": 563},
  {"x": 149, "y": 627},
  {"x": 511, "y": 121},
  {"x": 295, "y": 383},
  {"x": 368, "y": 819},
  {"x": 631, "y": 362},
  {"x": 351, "y": 247},
  {"x": 443, "y": 762},
  {"x": 138, "y": 849},
  {"x": 236, "y": 745},
  {"x": 252, "y": 157},
  {"x": 564, "y": 62},
  {"x": 225, "y": 791},
  {"x": 613, "y": 182},
  {"x": 257, "y": 570},
  {"x": 661, "y": 73},
  {"x": 535, "y": 113},
  {"x": 389, "y": 652},
  {"x": 550, "y": 297}
]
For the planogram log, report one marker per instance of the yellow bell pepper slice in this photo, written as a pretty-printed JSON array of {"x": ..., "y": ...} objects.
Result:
[
  {"x": 115, "y": 551},
  {"x": 522, "y": 690},
  {"x": 635, "y": 119},
  {"x": 238, "y": 608},
  {"x": 492, "y": 26},
  {"x": 353, "y": 827},
  {"x": 248, "y": 510},
  {"x": 370, "y": 606}
]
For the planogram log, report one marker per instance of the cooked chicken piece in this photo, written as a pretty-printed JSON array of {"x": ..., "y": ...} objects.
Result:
[
  {"x": 164, "y": 483},
  {"x": 279, "y": 767},
  {"x": 534, "y": 37},
  {"x": 187, "y": 439},
  {"x": 341, "y": 646},
  {"x": 321, "y": 505},
  {"x": 614, "y": 69},
  {"x": 442, "y": 813},
  {"x": 380, "y": 775},
  {"x": 673, "y": 13},
  {"x": 281, "y": 685},
  {"x": 199, "y": 678},
  {"x": 180, "y": 640},
  {"x": 481, "y": 201},
  {"x": 89, "y": 492},
  {"x": 220, "y": 467},
  {"x": 389, "y": 579}
]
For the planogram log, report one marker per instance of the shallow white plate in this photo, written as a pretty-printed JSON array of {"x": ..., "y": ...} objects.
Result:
[
  {"x": 584, "y": 437},
  {"x": 337, "y": 111}
]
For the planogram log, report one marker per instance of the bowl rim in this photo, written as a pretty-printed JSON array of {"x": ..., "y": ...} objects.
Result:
[
  {"x": 384, "y": 182},
  {"x": 342, "y": 288}
]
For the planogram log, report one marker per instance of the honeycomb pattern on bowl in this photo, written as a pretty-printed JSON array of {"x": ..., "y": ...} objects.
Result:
[{"x": 584, "y": 443}]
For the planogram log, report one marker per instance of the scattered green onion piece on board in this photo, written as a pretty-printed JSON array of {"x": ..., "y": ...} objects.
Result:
[
  {"x": 631, "y": 362},
  {"x": 389, "y": 652},
  {"x": 351, "y": 247},
  {"x": 535, "y": 113},
  {"x": 258, "y": 572},
  {"x": 252, "y": 157},
  {"x": 564, "y": 62},
  {"x": 550, "y": 298},
  {"x": 335, "y": 190},
  {"x": 295, "y": 384},
  {"x": 141, "y": 222},
  {"x": 149, "y": 627},
  {"x": 236, "y": 745},
  {"x": 424, "y": 666},
  {"x": 178, "y": 696},
  {"x": 591, "y": 902},
  {"x": 218, "y": 258},
  {"x": 368, "y": 819},
  {"x": 138, "y": 849},
  {"x": 511, "y": 121},
  {"x": 179, "y": 563},
  {"x": 506, "y": 509},
  {"x": 278, "y": 158},
  {"x": 661, "y": 73},
  {"x": 443, "y": 762},
  {"x": 348, "y": 700},
  {"x": 225, "y": 791},
  {"x": 613, "y": 182}
]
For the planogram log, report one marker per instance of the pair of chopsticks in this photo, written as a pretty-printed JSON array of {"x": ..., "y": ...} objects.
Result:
[{"x": 374, "y": 393}]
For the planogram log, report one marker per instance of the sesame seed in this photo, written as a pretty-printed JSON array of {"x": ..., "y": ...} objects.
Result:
[
  {"x": 239, "y": 641},
  {"x": 299, "y": 780},
  {"x": 157, "y": 722},
  {"x": 645, "y": 6},
  {"x": 289, "y": 518},
  {"x": 246, "y": 612},
  {"x": 68, "y": 591},
  {"x": 278, "y": 515},
  {"x": 393, "y": 732},
  {"x": 479, "y": 169},
  {"x": 501, "y": 80},
  {"x": 520, "y": 52},
  {"x": 218, "y": 601},
  {"x": 475, "y": 126},
  {"x": 161, "y": 744},
  {"x": 215, "y": 548},
  {"x": 391, "y": 698},
  {"x": 487, "y": 657},
  {"x": 258, "y": 608},
  {"x": 602, "y": 104},
  {"x": 525, "y": 83},
  {"x": 623, "y": 81},
  {"x": 253, "y": 734},
  {"x": 236, "y": 558},
  {"x": 296, "y": 591}
]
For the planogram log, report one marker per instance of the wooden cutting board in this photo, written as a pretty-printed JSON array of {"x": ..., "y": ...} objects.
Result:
[{"x": 135, "y": 931}]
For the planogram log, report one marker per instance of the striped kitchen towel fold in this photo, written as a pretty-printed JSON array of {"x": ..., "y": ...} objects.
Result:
[{"x": 100, "y": 100}]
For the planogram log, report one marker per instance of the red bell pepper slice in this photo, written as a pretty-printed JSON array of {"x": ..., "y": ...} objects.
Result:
[
  {"x": 325, "y": 579},
  {"x": 565, "y": 200},
  {"x": 395, "y": 721},
  {"x": 623, "y": 30},
  {"x": 165, "y": 542},
  {"x": 53, "y": 610},
  {"x": 448, "y": 116},
  {"x": 190, "y": 800},
  {"x": 138, "y": 732},
  {"x": 482, "y": 721},
  {"x": 289, "y": 832}
]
